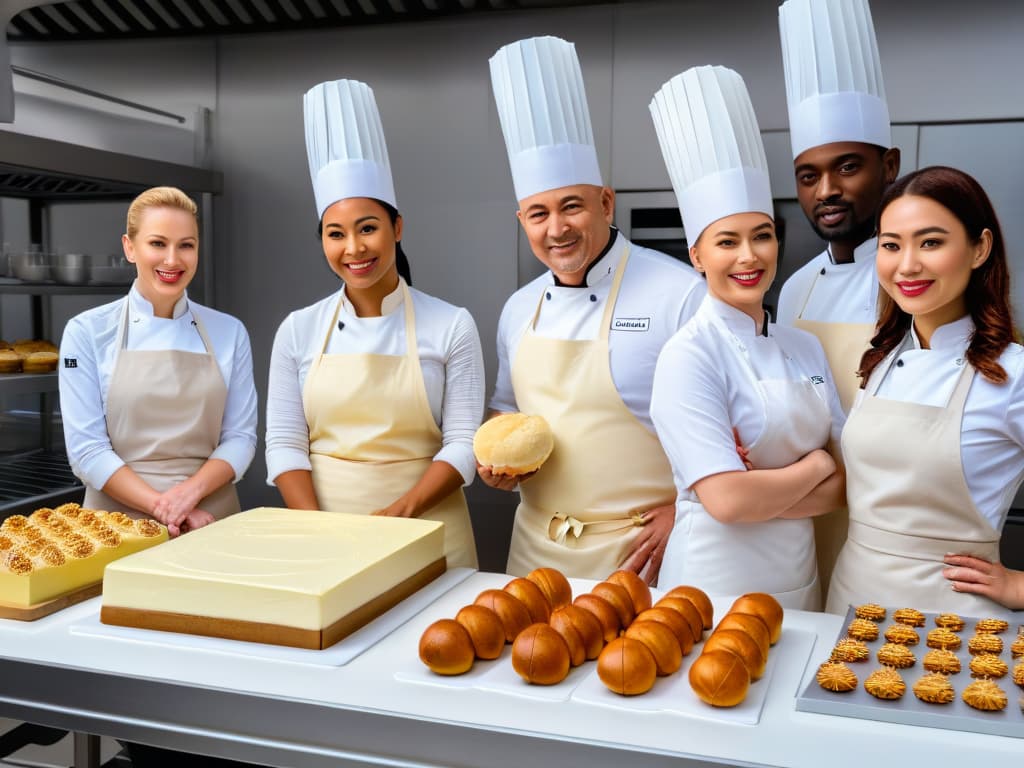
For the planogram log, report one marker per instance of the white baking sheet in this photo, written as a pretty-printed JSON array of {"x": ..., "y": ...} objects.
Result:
[
  {"x": 909, "y": 710},
  {"x": 337, "y": 655},
  {"x": 673, "y": 693}
]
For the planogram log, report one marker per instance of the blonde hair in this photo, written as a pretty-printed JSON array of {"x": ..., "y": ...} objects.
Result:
[{"x": 157, "y": 197}]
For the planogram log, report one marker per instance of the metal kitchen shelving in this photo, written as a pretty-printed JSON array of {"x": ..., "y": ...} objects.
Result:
[{"x": 43, "y": 172}]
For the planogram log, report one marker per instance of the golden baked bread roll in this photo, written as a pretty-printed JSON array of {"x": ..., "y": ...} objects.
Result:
[
  {"x": 675, "y": 622},
  {"x": 40, "y": 362},
  {"x": 540, "y": 655},
  {"x": 513, "y": 443},
  {"x": 603, "y": 611},
  {"x": 766, "y": 608},
  {"x": 619, "y": 599},
  {"x": 485, "y": 630},
  {"x": 530, "y": 595},
  {"x": 700, "y": 600},
  {"x": 743, "y": 645},
  {"x": 10, "y": 361},
  {"x": 719, "y": 678},
  {"x": 688, "y": 611},
  {"x": 586, "y": 624},
  {"x": 661, "y": 642},
  {"x": 627, "y": 667},
  {"x": 553, "y": 584},
  {"x": 752, "y": 625},
  {"x": 28, "y": 346},
  {"x": 446, "y": 648},
  {"x": 513, "y": 614},
  {"x": 563, "y": 625},
  {"x": 637, "y": 588}
]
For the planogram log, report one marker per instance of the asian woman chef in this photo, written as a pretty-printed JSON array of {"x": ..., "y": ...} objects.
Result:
[
  {"x": 743, "y": 407},
  {"x": 375, "y": 391},
  {"x": 156, "y": 391},
  {"x": 934, "y": 445}
]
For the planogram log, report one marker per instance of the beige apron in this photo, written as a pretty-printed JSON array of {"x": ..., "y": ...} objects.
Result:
[
  {"x": 372, "y": 435},
  {"x": 909, "y": 506},
  {"x": 774, "y": 556},
  {"x": 844, "y": 345},
  {"x": 581, "y": 512},
  {"x": 165, "y": 410}
]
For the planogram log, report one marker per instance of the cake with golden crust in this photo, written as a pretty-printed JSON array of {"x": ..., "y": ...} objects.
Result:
[
  {"x": 283, "y": 576},
  {"x": 54, "y": 552}
]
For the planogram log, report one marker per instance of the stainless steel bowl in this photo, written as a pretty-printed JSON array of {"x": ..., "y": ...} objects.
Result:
[
  {"x": 71, "y": 268},
  {"x": 30, "y": 266}
]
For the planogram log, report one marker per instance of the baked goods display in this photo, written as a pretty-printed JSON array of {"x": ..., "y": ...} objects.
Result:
[
  {"x": 28, "y": 356},
  {"x": 984, "y": 695},
  {"x": 885, "y": 683},
  {"x": 513, "y": 443},
  {"x": 54, "y": 552},
  {"x": 282, "y": 576},
  {"x": 955, "y": 680}
]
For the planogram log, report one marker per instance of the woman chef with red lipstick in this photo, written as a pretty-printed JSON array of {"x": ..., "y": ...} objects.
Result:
[
  {"x": 377, "y": 390},
  {"x": 934, "y": 444},
  {"x": 743, "y": 407},
  {"x": 156, "y": 391}
]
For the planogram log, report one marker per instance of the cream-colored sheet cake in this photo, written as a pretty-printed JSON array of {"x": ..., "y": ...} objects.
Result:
[
  {"x": 289, "y": 577},
  {"x": 54, "y": 552}
]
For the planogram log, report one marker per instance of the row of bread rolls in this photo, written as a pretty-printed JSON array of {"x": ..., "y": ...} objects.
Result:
[
  {"x": 736, "y": 653},
  {"x": 28, "y": 356},
  {"x": 496, "y": 617}
]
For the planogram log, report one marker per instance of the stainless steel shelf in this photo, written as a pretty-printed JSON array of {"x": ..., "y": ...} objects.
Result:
[
  {"x": 27, "y": 383},
  {"x": 8, "y": 285},
  {"x": 36, "y": 479}
]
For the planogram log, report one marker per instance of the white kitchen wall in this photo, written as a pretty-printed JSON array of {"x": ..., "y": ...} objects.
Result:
[{"x": 944, "y": 60}]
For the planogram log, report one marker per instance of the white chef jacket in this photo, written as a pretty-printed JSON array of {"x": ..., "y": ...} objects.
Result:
[
  {"x": 825, "y": 292},
  {"x": 450, "y": 357},
  {"x": 992, "y": 430},
  {"x": 657, "y": 296},
  {"x": 88, "y": 352},
  {"x": 702, "y": 390}
]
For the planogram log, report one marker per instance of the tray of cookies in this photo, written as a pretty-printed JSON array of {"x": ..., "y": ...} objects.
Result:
[{"x": 939, "y": 670}]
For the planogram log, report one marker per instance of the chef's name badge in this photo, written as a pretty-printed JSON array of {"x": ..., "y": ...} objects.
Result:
[
  {"x": 636, "y": 324},
  {"x": 817, "y": 379}
]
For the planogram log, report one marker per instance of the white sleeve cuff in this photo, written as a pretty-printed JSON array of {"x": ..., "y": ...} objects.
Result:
[
  {"x": 282, "y": 460},
  {"x": 460, "y": 456},
  {"x": 238, "y": 453},
  {"x": 99, "y": 469}
]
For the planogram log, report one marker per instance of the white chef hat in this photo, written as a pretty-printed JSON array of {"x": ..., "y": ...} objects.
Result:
[
  {"x": 833, "y": 74},
  {"x": 712, "y": 147},
  {"x": 538, "y": 87},
  {"x": 348, "y": 156}
]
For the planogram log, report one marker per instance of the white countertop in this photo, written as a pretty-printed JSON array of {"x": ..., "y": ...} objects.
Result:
[{"x": 367, "y": 684}]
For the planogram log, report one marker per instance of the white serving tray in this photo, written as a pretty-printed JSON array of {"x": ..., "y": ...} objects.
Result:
[{"x": 337, "y": 655}]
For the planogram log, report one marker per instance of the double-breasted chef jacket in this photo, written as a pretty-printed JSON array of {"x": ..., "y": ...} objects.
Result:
[
  {"x": 101, "y": 387},
  {"x": 431, "y": 417},
  {"x": 773, "y": 386},
  {"x": 583, "y": 358},
  {"x": 934, "y": 455}
]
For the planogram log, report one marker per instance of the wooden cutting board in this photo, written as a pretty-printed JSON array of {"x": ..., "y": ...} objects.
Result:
[{"x": 39, "y": 610}]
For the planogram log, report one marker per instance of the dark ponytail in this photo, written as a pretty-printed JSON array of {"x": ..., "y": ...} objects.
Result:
[{"x": 401, "y": 260}]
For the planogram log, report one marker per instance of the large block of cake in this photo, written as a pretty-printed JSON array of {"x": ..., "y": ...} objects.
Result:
[
  {"x": 288, "y": 577},
  {"x": 54, "y": 552}
]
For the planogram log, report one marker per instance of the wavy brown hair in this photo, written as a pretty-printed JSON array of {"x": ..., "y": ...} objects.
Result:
[{"x": 988, "y": 291}]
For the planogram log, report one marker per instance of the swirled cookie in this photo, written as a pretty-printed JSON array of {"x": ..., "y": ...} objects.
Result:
[
  {"x": 934, "y": 688},
  {"x": 869, "y": 611},
  {"x": 835, "y": 676},
  {"x": 984, "y": 695},
  {"x": 902, "y": 634},
  {"x": 909, "y": 616},
  {"x": 988, "y": 665},
  {"x": 1017, "y": 648},
  {"x": 995, "y": 626},
  {"x": 885, "y": 683},
  {"x": 949, "y": 621},
  {"x": 941, "y": 660},
  {"x": 1018, "y": 674},
  {"x": 896, "y": 655},
  {"x": 984, "y": 643},
  {"x": 849, "y": 649},
  {"x": 862, "y": 629},
  {"x": 943, "y": 638}
]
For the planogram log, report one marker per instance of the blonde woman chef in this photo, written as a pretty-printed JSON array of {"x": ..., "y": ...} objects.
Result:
[
  {"x": 376, "y": 390},
  {"x": 156, "y": 390},
  {"x": 743, "y": 407}
]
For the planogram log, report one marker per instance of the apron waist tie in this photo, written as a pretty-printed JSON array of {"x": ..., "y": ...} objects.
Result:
[
  {"x": 562, "y": 526},
  {"x": 917, "y": 547}
]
